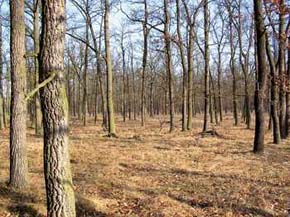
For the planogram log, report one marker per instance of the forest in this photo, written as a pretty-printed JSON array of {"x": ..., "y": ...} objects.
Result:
[{"x": 171, "y": 108}]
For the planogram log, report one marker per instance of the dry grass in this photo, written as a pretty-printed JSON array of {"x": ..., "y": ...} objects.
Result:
[{"x": 149, "y": 172}]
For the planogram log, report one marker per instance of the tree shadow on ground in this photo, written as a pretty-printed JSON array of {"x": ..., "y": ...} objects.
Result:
[
  {"x": 21, "y": 204},
  {"x": 239, "y": 208},
  {"x": 203, "y": 203}
]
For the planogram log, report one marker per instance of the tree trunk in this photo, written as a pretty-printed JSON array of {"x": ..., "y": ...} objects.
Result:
[
  {"x": 133, "y": 83},
  {"x": 99, "y": 70},
  {"x": 220, "y": 86},
  {"x": 244, "y": 61},
  {"x": 214, "y": 98},
  {"x": 261, "y": 84},
  {"x": 37, "y": 112},
  {"x": 206, "y": 60},
  {"x": 288, "y": 94},
  {"x": 183, "y": 63},
  {"x": 57, "y": 171},
  {"x": 144, "y": 63},
  {"x": 232, "y": 66},
  {"x": 168, "y": 62},
  {"x": 2, "y": 98},
  {"x": 96, "y": 105},
  {"x": 85, "y": 81},
  {"x": 124, "y": 88},
  {"x": 274, "y": 95},
  {"x": 110, "y": 105},
  {"x": 190, "y": 76},
  {"x": 18, "y": 152},
  {"x": 282, "y": 71}
]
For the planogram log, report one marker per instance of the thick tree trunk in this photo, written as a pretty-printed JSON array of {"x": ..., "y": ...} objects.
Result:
[
  {"x": 261, "y": 84},
  {"x": 57, "y": 171},
  {"x": 18, "y": 152}
]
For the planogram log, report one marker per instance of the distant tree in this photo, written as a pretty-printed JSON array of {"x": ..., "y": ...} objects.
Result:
[
  {"x": 206, "y": 65},
  {"x": 230, "y": 9},
  {"x": 184, "y": 66},
  {"x": 86, "y": 62},
  {"x": 2, "y": 97},
  {"x": 168, "y": 61},
  {"x": 244, "y": 59},
  {"x": 109, "y": 68},
  {"x": 274, "y": 94},
  {"x": 282, "y": 69},
  {"x": 36, "y": 34}
]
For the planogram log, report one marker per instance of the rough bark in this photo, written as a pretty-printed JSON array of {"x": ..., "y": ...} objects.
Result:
[
  {"x": 18, "y": 152},
  {"x": 54, "y": 104}
]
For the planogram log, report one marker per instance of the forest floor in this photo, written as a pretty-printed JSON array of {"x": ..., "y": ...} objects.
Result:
[{"x": 149, "y": 172}]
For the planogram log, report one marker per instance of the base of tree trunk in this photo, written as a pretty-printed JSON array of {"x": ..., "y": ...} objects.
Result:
[
  {"x": 210, "y": 133},
  {"x": 111, "y": 135}
]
